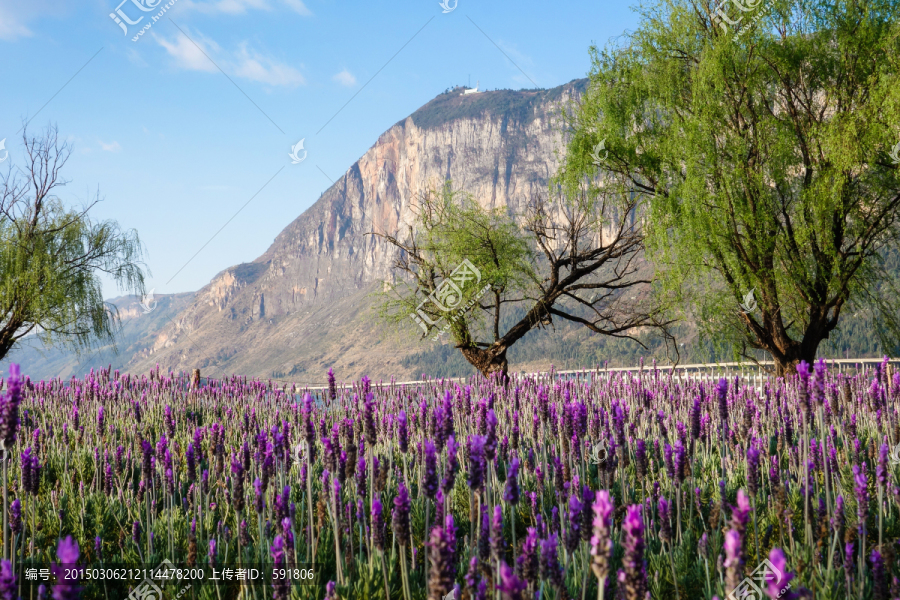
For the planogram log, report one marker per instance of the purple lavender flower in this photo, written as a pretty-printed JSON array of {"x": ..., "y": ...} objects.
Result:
[
  {"x": 778, "y": 586},
  {"x": 601, "y": 540},
  {"x": 369, "y": 420},
  {"x": 430, "y": 476},
  {"x": 665, "y": 522},
  {"x": 259, "y": 494},
  {"x": 838, "y": 520},
  {"x": 476, "y": 462},
  {"x": 212, "y": 552},
  {"x": 511, "y": 492},
  {"x": 401, "y": 515},
  {"x": 490, "y": 439},
  {"x": 498, "y": 544},
  {"x": 442, "y": 556},
  {"x": 722, "y": 396},
  {"x": 511, "y": 587},
  {"x": 9, "y": 407},
  {"x": 281, "y": 586},
  {"x": 880, "y": 589},
  {"x": 377, "y": 524},
  {"x": 452, "y": 467},
  {"x": 65, "y": 571},
  {"x": 330, "y": 594},
  {"x": 529, "y": 561},
  {"x": 640, "y": 458},
  {"x": 402, "y": 432},
  {"x": 753, "y": 470},
  {"x": 695, "y": 420},
  {"x": 332, "y": 385},
  {"x": 633, "y": 576},
  {"x": 740, "y": 514},
  {"x": 668, "y": 455},
  {"x": 734, "y": 562},
  {"x": 820, "y": 370},
  {"x": 862, "y": 499},
  {"x": 551, "y": 570},
  {"x": 8, "y": 588},
  {"x": 881, "y": 468},
  {"x": 681, "y": 465},
  {"x": 15, "y": 517}
]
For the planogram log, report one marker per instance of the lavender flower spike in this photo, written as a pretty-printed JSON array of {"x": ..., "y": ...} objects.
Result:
[{"x": 601, "y": 540}]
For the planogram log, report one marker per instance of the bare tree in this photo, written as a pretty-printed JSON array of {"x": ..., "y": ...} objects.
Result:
[{"x": 576, "y": 257}]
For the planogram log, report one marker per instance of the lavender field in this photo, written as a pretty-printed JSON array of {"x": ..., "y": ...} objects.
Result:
[{"x": 629, "y": 485}]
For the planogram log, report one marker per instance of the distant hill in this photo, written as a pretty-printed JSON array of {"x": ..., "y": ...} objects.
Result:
[{"x": 137, "y": 329}]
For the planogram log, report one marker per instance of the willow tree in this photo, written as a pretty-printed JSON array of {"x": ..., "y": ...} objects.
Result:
[
  {"x": 485, "y": 278},
  {"x": 51, "y": 256},
  {"x": 765, "y": 138}
]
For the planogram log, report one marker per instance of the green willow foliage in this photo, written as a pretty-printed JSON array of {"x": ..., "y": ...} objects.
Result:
[
  {"x": 51, "y": 257},
  {"x": 763, "y": 159}
]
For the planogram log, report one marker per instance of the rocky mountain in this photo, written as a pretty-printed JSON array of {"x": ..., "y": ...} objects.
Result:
[{"x": 303, "y": 305}]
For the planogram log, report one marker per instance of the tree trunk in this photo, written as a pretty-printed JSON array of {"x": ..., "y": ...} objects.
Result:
[
  {"x": 786, "y": 361},
  {"x": 488, "y": 361}
]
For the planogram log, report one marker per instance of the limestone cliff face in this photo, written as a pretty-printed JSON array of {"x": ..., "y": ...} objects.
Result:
[{"x": 501, "y": 146}]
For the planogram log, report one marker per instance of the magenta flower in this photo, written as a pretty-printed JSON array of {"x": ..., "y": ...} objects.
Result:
[
  {"x": 442, "y": 558},
  {"x": 511, "y": 587},
  {"x": 65, "y": 571},
  {"x": 281, "y": 586},
  {"x": 734, "y": 563},
  {"x": 9, "y": 407},
  {"x": 8, "y": 589},
  {"x": 633, "y": 575},
  {"x": 401, "y": 515},
  {"x": 601, "y": 540},
  {"x": 430, "y": 476},
  {"x": 511, "y": 493}
]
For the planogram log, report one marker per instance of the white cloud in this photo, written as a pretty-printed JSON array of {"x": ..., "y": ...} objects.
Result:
[
  {"x": 113, "y": 147},
  {"x": 239, "y": 7},
  {"x": 15, "y": 14},
  {"x": 345, "y": 77},
  {"x": 186, "y": 53},
  {"x": 253, "y": 66},
  {"x": 245, "y": 62},
  {"x": 298, "y": 7}
]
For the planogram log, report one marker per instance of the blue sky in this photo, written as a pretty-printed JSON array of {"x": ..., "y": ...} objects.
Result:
[{"x": 182, "y": 128}]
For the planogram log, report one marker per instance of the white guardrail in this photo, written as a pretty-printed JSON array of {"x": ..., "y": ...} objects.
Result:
[{"x": 723, "y": 369}]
